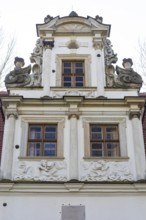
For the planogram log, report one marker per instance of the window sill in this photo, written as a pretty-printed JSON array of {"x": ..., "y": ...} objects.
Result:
[
  {"x": 41, "y": 158},
  {"x": 84, "y": 88},
  {"x": 107, "y": 158}
]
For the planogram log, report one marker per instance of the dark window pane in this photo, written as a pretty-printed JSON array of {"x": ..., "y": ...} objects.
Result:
[
  {"x": 97, "y": 146},
  {"x": 50, "y": 149},
  {"x": 96, "y": 136},
  {"x": 67, "y": 68},
  {"x": 96, "y": 129},
  {"x": 67, "y": 79},
  {"x": 34, "y": 149},
  {"x": 67, "y": 64},
  {"x": 78, "y": 68},
  {"x": 112, "y": 149},
  {"x": 96, "y": 153},
  {"x": 78, "y": 71},
  {"x": 67, "y": 71},
  {"x": 79, "y": 65},
  {"x": 35, "y": 132},
  {"x": 96, "y": 133},
  {"x": 50, "y": 132},
  {"x": 111, "y": 133},
  {"x": 79, "y": 84},
  {"x": 79, "y": 81},
  {"x": 96, "y": 150},
  {"x": 67, "y": 84}
]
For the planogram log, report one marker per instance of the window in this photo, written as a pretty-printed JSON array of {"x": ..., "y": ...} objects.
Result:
[
  {"x": 104, "y": 140},
  {"x": 73, "y": 73},
  {"x": 42, "y": 140},
  {"x": 85, "y": 59}
]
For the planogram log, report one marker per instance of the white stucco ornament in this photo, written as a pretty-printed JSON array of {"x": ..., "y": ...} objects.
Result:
[
  {"x": 106, "y": 171},
  {"x": 43, "y": 170},
  {"x": 87, "y": 94}
]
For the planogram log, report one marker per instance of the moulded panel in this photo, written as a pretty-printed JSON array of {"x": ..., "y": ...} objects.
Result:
[{"x": 73, "y": 213}]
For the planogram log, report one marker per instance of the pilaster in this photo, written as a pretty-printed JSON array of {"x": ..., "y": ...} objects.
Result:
[
  {"x": 11, "y": 114},
  {"x": 138, "y": 144},
  {"x": 98, "y": 46},
  {"x": 8, "y": 146},
  {"x": 73, "y": 115},
  {"x": 47, "y": 68}
]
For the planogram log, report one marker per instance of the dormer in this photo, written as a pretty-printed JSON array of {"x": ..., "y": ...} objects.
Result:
[
  {"x": 73, "y": 56},
  {"x": 73, "y": 25}
]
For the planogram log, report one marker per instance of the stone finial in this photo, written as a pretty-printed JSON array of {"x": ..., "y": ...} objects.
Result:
[
  {"x": 48, "y": 18},
  {"x": 99, "y": 18},
  {"x": 73, "y": 14}
]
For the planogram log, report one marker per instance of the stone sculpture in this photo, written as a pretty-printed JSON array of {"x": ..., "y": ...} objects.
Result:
[
  {"x": 127, "y": 77},
  {"x": 43, "y": 170},
  {"x": 110, "y": 56},
  {"x": 19, "y": 76},
  {"x": 106, "y": 171},
  {"x": 36, "y": 57}
]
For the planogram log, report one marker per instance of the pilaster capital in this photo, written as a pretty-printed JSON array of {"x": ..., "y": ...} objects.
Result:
[
  {"x": 134, "y": 114},
  {"x": 97, "y": 44},
  {"x": 48, "y": 44},
  {"x": 12, "y": 114},
  {"x": 74, "y": 115}
]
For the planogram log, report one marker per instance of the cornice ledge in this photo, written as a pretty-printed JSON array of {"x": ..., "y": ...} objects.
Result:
[
  {"x": 5, "y": 187},
  {"x": 138, "y": 100},
  {"x": 11, "y": 100},
  {"x": 73, "y": 99},
  {"x": 80, "y": 187},
  {"x": 73, "y": 187}
]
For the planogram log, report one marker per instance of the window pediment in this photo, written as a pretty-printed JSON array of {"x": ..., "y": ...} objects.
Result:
[{"x": 73, "y": 27}]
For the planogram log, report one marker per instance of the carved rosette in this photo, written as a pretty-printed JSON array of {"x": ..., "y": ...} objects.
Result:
[
  {"x": 106, "y": 171},
  {"x": 43, "y": 170}
]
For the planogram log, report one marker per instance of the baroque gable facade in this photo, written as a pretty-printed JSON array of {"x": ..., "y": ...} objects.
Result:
[{"x": 73, "y": 127}]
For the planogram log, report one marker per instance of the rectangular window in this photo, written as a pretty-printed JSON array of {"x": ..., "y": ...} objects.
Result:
[
  {"x": 104, "y": 140},
  {"x": 73, "y": 73},
  {"x": 42, "y": 140}
]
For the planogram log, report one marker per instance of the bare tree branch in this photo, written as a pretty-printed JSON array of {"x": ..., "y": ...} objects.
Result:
[
  {"x": 7, "y": 45},
  {"x": 141, "y": 60}
]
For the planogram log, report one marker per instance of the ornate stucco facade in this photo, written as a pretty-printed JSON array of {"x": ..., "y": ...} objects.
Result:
[{"x": 73, "y": 143}]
